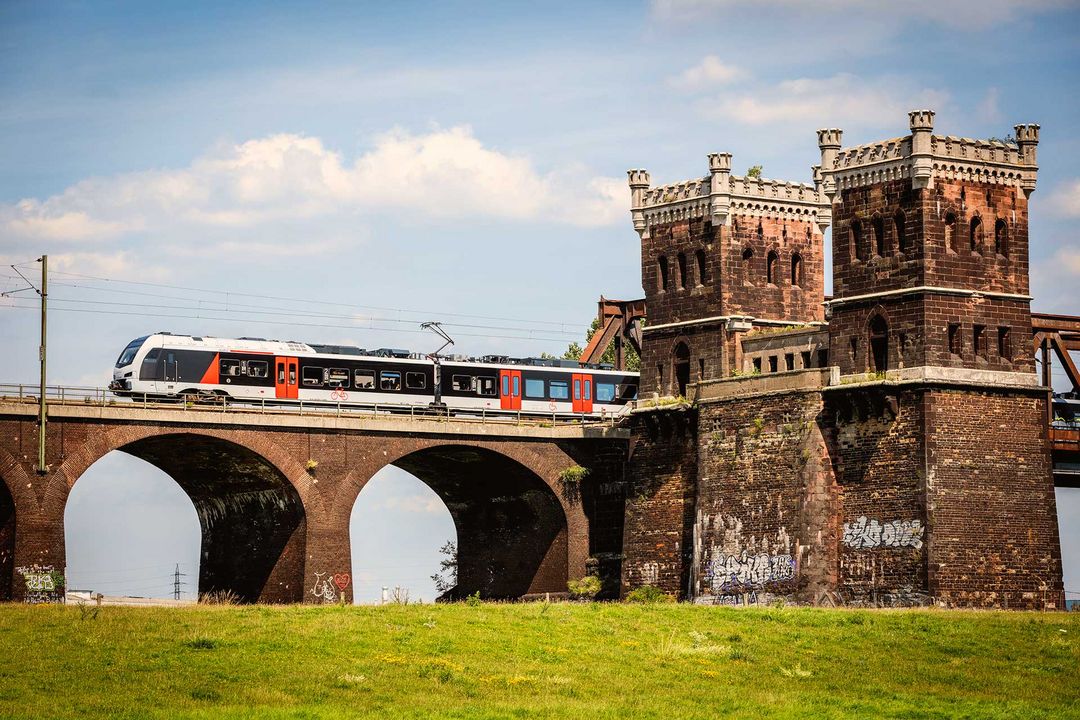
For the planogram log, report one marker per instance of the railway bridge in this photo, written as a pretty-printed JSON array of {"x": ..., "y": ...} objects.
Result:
[{"x": 274, "y": 490}]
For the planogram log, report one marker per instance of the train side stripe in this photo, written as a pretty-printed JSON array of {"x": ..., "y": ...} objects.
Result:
[{"x": 210, "y": 377}]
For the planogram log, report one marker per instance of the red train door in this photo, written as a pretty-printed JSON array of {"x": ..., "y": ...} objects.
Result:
[
  {"x": 510, "y": 389},
  {"x": 285, "y": 378},
  {"x": 582, "y": 397}
]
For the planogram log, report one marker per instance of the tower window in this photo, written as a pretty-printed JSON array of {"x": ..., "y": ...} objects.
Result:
[
  {"x": 854, "y": 349},
  {"x": 900, "y": 230},
  {"x": 976, "y": 233},
  {"x": 879, "y": 344},
  {"x": 796, "y": 270},
  {"x": 789, "y": 361},
  {"x": 878, "y": 226},
  {"x": 757, "y": 365},
  {"x": 823, "y": 358},
  {"x": 978, "y": 340},
  {"x": 1004, "y": 344},
  {"x": 701, "y": 368},
  {"x": 663, "y": 278},
  {"x": 856, "y": 240},
  {"x": 806, "y": 361},
  {"x": 955, "y": 344},
  {"x": 700, "y": 257},
  {"x": 1001, "y": 238},
  {"x": 682, "y": 270},
  {"x": 773, "y": 261},
  {"x": 773, "y": 364},
  {"x": 747, "y": 265},
  {"x": 951, "y": 242}
]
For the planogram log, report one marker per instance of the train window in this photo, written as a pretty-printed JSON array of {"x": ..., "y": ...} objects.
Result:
[
  {"x": 463, "y": 383},
  {"x": 487, "y": 386},
  {"x": 506, "y": 385},
  {"x": 230, "y": 367},
  {"x": 257, "y": 368},
  {"x": 588, "y": 389},
  {"x": 281, "y": 373},
  {"x": 364, "y": 379},
  {"x": 627, "y": 391},
  {"x": 605, "y": 392},
  {"x": 415, "y": 381},
  {"x": 337, "y": 377},
  {"x": 534, "y": 388},
  {"x": 517, "y": 386},
  {"x": 560, "y": 390},
  {"x": 390, "y": 380},
  {"x": 311, "y": 376}
]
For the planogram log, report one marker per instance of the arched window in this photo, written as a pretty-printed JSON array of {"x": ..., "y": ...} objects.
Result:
[
  {"x": 771, "y": 267},
  {"x": 682, "y": 270},
  {"x": 700, "y": 257},
  {"x": 900, "y": 230},
  {"x": 748, "y": 265},
  {"x": 1001, "y": 238},
  {"x": 952, "y": 243},
  {"x": 796, "y": 270},
  {"x": 976, "y": 233},
  {"x": 662, "y": 275},
  {"x": 879, "y": 344},
  {"x": 855, "y": 239},
  {"x": 878, "y": 226},
  {"x": 681, "y": 365}
]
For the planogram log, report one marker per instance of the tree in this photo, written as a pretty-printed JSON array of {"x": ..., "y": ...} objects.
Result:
[
  {"x": 446, "y": 579},
  {"x": 754, "y": 172}
]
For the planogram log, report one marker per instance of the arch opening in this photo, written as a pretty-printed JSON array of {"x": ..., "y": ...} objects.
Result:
[
  {"x": 250, "y": 517},
  {"x": 397, "y": 532},
  {"x": 512, "y": 531}
]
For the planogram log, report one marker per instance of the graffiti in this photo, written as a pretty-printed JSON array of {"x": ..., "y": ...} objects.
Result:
[
  {"x": 864, "y": 534},
  {"x": 727, "y": 573},
  {"x": 734, "y": 600},
  {"x": 342, "y": 581},
  {"x": 43, "y": 584},
  {"x": 650, "y": 573},
  {"x": 324, "y": 588}
]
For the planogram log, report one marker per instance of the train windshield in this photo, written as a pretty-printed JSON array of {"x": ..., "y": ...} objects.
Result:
[{"x": 129, "y": 352}]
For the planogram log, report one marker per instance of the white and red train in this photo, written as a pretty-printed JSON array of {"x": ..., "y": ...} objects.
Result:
[{"x": 167, "y": 366}]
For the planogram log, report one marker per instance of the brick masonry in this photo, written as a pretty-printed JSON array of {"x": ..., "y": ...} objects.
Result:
[{"x": 274, "y": 531}]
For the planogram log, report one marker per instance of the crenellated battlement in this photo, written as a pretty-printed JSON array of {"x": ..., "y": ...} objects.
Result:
[
  {"x": 716, "y": 195},
  {"x": 922, "y": 156}
]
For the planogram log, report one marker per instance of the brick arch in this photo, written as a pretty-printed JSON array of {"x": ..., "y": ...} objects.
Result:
[
  {"x": 565, "y": 548},
  {"x": 63, "y": 479},
  {"x": 253, "y": 513},
  {"x": 19, "y": 480}
]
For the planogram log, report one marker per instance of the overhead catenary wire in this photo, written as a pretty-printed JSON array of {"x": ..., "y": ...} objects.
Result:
[{"x": 230, "y": 294}]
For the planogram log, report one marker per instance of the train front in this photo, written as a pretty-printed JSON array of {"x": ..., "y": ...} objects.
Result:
[{"x": 124, "y": 373}]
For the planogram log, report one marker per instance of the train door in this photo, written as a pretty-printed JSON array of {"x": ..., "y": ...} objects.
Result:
[
  {"x": 582, "y": 398},
  {"x": 510, "y": 389},
  {"x": 285, "y": 378}
]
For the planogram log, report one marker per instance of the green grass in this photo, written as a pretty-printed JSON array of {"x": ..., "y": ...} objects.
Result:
[{"x": 535, "y": 660}]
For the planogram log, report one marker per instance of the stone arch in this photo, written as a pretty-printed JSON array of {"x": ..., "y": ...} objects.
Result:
[
  {"x": 1001, "y": 237},
  {"x": 975, "y": 235},
  {"x": 680, "y": 366},
  {"x": 521, "y": 529},
  {"x": 877, "y": 227},
  {"x": 253, "y": 501},
  {"x": 877, "y": 336},
  {"x": 772, "y": 268}
]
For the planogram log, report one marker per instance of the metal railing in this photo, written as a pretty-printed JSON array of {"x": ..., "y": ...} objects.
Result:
[{"x": 100, "y": 397}]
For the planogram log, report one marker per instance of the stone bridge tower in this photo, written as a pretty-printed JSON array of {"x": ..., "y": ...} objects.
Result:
[{"x": 941, "y": 417}]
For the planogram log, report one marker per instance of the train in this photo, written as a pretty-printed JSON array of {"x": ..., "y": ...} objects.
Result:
[{"x": 164, "y": 366}]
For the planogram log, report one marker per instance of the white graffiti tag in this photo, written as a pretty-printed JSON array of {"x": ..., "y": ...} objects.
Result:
[
  {"x": 864, "y": 533},
  {"x": 324, "y": 589},
  {"x": 726, "y": 572}
]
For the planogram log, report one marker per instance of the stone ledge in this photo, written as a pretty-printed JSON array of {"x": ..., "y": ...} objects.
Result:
[
  {"x": 812, "y": 380},
  {"x": 256, "y": 421},
  {"x": 936, "y": 375}
]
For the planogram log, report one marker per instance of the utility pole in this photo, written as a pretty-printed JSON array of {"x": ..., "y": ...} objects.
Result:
[
  {"x": 176, "y": 582},
  {"x": 44, "y": 292},
  {"x": 436, "y": 358}
]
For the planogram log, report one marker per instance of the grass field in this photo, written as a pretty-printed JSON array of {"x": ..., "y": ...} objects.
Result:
[{"x": 535, "y": 660}]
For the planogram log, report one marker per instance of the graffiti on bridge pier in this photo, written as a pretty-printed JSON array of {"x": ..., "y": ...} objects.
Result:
[
  {"x": 865, "y": 534},
  {"x": 44, "y": 584},
  {"x": 732, "y": 574}
]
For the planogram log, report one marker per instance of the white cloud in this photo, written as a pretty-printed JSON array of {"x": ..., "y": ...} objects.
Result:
[
  {"x": 710, "y": 72},
  {"x": 415, "y": 504},
  {"x": 1055, "y": 281},
  {"x": 1065, "y": 200},
  {"x": 989, "y": 109},
  {"x": 843, "y": 100},
  {"x": 964, "y": 14},
  {"x": 444, "y": 174}
]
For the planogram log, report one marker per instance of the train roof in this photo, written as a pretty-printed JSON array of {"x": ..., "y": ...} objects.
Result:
[{"x": 293, "y": 347}]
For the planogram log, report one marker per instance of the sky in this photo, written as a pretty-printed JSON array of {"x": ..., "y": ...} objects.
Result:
[{"x": 363, "y": 167}]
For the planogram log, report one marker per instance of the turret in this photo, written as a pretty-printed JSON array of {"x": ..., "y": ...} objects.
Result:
[
  {"x": 922, "y": 128},
  {"x": 720, "y": 187},
  {"x": 639, "y": 183},
  {"x": 829, "y": 142}
]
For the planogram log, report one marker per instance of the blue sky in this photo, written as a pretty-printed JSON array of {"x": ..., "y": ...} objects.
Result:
[{"x": 459, "y": 157}]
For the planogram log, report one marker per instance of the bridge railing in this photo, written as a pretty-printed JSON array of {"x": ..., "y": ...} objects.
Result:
[{"x": 90, "y": 396}]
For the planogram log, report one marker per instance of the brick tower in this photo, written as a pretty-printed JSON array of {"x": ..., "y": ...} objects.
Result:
[
  {"x": 930, "y": 321},
  {"x": 721, "y": 255}
]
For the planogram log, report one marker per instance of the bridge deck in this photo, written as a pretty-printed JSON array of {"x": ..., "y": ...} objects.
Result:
[{"x": 321, "y": 419}]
